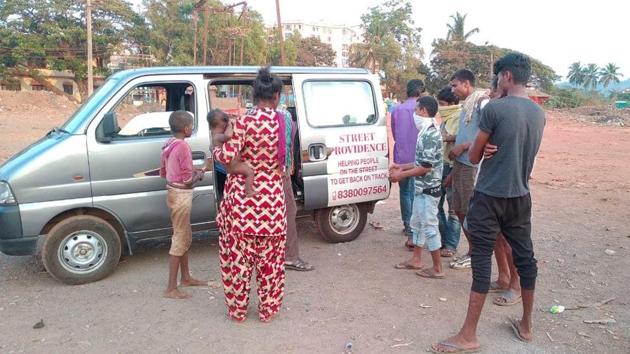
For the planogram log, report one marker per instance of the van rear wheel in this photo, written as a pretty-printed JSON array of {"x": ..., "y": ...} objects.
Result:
[
  {"x": 81, "y": 249},
  {"x": 342, "y": 223}
]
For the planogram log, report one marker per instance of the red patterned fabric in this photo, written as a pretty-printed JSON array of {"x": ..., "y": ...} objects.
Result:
[
  {"x": 253, "y": 229},
  {"x": 255, "y": 139},
  {"x": 239, "y": 256}
]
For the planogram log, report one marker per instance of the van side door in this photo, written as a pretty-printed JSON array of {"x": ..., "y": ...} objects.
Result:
[
  {"x": 343, "y": 139},
  {"x": 124, "y": 146}
]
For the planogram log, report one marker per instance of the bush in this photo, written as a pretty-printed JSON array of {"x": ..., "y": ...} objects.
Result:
[
  {"x": 566, "y": 98},
  {"x": 620, "y": 96}
]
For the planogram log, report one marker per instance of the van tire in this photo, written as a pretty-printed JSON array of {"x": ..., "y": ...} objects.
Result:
[
  {"x": 342, "y": 223},
  {"x": 81, "y": 249}
]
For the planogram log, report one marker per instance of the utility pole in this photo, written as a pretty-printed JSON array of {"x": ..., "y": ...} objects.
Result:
[
  {"x": 280, "y": 36},
  {"x": 194, "y": 15},
  {"x": 206, "y": 14},
  {"x": 88, "y": 18}
]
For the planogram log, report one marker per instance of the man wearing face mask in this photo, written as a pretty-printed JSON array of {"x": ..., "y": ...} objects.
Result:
[
  {"x": 426, "y": 172},
  {"x": 405, "y": 135}
]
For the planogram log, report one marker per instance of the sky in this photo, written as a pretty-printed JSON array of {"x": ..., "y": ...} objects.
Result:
[{"x": 557, "y": 33}]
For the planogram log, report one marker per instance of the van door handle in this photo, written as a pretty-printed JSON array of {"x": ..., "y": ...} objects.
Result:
[
  {"x": 199, "y": 158},
  {"x": 198, "y": 155},
  {"x": 317, "y": 152}
]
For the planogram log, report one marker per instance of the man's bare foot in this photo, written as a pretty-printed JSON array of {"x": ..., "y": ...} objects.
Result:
[
  {"x": 455, "y": 344},
  {"x": 520, "y": 331},
  {"x": 193, "y": 282},
  {"x": 176, "y": 294}
]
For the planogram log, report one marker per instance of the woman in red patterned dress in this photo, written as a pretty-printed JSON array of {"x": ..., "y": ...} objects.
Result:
[{"x": 253, "y": 229}]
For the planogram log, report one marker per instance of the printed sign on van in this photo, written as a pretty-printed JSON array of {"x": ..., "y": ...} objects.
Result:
[{"x": 357, "y": 167}]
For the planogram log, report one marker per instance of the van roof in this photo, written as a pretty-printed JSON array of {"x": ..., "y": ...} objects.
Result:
[{"x": 281, "y": 70}]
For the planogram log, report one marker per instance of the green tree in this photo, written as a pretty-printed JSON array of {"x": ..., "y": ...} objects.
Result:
[
  {"x": 448, "y": 56},
  {"x": 391, "y": 44},
  {"x": 171, "y": 35},
  {"x": 609, "y": 74},
  {"x": 51, "y": 34},
  {"x": 576, "y": 75},
  {"x": 456, "y": 30},
  {"x": 290, "y": 51},
  {"x": 311, "y": 51},
  {"x": 590, "y": 74}
]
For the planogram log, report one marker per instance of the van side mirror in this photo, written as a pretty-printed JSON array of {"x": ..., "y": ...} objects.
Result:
[{"x": 107, "y": 129}]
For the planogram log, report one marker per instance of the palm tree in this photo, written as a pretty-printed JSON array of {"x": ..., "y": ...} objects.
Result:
[
  {"x": 575, "y": 75},
  {"x": 456, "y": 29},
  {"x": 609, "y": 74},
  {"x": 591, "y": 76}
]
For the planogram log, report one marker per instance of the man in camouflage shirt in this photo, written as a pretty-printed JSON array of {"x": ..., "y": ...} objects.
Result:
[{"x": 427, "y": 170}]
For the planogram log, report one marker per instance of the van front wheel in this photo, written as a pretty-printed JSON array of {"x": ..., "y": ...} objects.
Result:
[
  {"x": 81, "y": 249},
  {"x": 342, "y": 223}
]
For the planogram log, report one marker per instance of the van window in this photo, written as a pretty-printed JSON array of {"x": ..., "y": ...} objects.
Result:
[
  {"x": 145, "y": 109},
  {"x": 339, "y": 103},
  {"x": 234, "y": 99},
  {"x": 237, "y": 99}
]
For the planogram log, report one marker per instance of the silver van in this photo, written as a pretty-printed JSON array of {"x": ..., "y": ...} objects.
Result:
[{"x": 89, "y": 190}]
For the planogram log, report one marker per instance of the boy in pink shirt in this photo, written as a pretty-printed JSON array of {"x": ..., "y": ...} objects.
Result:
[{"x": 176, "y": 166}]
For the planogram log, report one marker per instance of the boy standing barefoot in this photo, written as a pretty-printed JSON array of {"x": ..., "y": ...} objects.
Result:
[{"x": 176, "y": 166}]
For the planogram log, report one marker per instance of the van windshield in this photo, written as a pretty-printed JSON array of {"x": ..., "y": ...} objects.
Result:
[{"x": 87, "y": 108}]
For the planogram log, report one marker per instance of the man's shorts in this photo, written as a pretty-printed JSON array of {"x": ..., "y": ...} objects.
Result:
[
  {"x": 179, "y": 202},
  {"x": 424, "y": 222},
  {"x": 464, "y": 179}
]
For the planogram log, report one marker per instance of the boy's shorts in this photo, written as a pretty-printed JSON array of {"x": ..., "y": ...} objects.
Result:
[
  {"x": 179, "y": 202},
  {"x": 424, "y": 222},
  {"x": 464, "y": 179}
]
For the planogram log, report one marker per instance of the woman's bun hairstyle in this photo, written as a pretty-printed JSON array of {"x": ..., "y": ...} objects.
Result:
[{"x": 266, "y": 84}]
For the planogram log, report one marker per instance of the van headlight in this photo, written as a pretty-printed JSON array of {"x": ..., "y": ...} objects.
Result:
[{"x": 6, "y": 196}]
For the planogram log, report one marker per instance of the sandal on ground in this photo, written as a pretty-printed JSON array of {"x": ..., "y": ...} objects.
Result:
[
  {"x": 462, "y": 263},
  {"x": 406, "y": 266},
  {"x": 508, "y": 298},
  {"x": 459, "y": 258},
  {"x": 447, "y": 253},
  {"x": 430, "y": 273},
  {"x": 496, "y": 288},
  {"x": 517, "y": 332},
  {"x": 452, "y": 348},
  {"x": 298, "y": 265},
  {"x": 376, "y": 225}
]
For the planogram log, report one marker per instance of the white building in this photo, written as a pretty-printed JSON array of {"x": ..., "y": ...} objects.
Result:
[{"x": 340, "y": 37}]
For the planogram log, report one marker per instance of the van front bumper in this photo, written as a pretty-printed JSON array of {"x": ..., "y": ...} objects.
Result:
[
  {"x": 19, "y": 246},
  {"x": 12, "y": 240}
]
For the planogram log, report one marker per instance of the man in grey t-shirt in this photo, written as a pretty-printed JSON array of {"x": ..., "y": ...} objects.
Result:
[{"x": 501, "y": 202}]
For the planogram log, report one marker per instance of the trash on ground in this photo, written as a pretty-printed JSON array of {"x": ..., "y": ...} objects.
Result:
[
  {"x": 602, "y": 321},
  {"x": 39, "y": 324},
  {"x": 557, "y": 309}
]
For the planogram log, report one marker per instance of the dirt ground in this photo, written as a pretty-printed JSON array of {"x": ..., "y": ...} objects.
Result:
[{"x": 580, "y": 192}]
